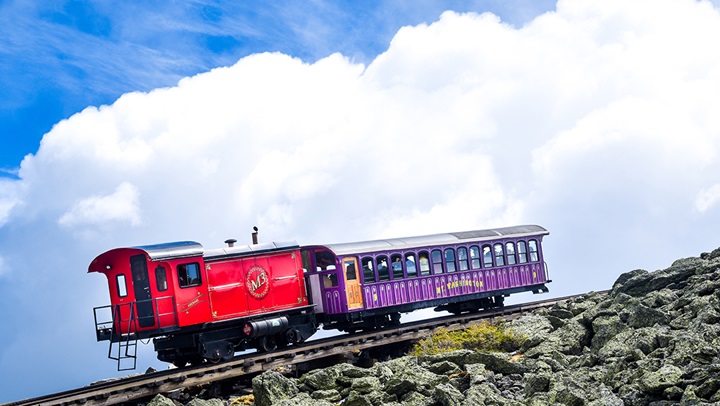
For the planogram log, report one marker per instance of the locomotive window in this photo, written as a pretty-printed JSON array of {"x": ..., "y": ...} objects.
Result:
[
  {"x": 462, "y": 258},
  {"x": 189, "y": 275},
  {"x": 161, "y": 278},
  {"x": 450, "y": 259},
  {"x": 437, "y": 261},
  {"x": 487, "y": 257},
  {"x": 350, "y": 271},
  {"x": 510, "y": 250},
  {"x": 424, "y": 263},
  {"x": 410, "y": 265},
  {"x": 368, "y": 270},
  {"x": 396, "y": 260},
  {"x": 522, "y": 252},
  {"x": 475, "y": 257},
  {"x": 382, "y": 267},
  {"x": 121, "y": 285},
  {"x": 533, "y": 250},
  {"x": 499, "y": 257}
]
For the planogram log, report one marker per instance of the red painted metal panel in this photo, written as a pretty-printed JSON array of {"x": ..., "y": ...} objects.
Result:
[{"x": 246, "y": 286}]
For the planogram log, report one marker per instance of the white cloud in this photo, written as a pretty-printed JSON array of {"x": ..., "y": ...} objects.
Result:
[
  {"x": 598, "y": 121},
  {"x": 121, "y": 206},
  {"x": 707, "y": 198}
]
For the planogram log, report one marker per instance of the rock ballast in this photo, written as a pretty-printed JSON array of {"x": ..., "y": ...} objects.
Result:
[{"x": 654, "y": 339}]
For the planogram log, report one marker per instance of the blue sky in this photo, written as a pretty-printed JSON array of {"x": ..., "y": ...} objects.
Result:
[{"x": 330, "y": 122}]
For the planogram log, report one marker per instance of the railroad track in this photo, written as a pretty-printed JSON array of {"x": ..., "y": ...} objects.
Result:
[{"x": 140, "y": 386}]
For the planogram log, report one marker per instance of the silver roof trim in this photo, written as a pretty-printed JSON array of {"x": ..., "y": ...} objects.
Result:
[
  {"x": 435, "y": 239},
  {"x": 178, "y": 249}
]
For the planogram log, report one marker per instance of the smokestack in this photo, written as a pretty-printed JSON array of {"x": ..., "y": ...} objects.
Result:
[
  {"x": 230, "y": 242},
  {"x": 255, "y": 235}
]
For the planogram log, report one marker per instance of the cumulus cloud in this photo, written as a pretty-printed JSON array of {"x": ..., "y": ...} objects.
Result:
[
  {"x": 9, "y": 191},
  {"x": 598, "y": 121},
  {"x": 120, "y": 206},
  {"x": 707, "y": 198}
]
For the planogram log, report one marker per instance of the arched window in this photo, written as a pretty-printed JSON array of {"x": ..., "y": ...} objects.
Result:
[
  {"x": 382, "y": 268},
  {"x": 161, "y": 278},
  {"x": 410, "y": 267},
  {"x": 475, "y": 257},
  {"x": 510, "y": 251},
  {"x": 368, "y": 270},
  {"x": 533, "y": 248},
  {"x": 522, "y": 252},
  {"x": 487, "y": 256},
  {"x": 499, "y": 255},
  {"x": 424, "y": 262},
  {"x": 397, "y": 268},
  {"x": 437, "y": 261},
  {"x": 450, "y": 260},
  {"x": 462, "y": 258}
]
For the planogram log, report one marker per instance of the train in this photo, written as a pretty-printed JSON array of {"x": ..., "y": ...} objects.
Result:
[{"x": 202, "y": 305}]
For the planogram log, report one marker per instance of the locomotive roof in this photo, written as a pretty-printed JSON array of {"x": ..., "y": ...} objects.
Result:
[
  {"x": 242, "y": 250},
  {"x": 181, "y": 249},
  {"x": 436, "y": 239}
]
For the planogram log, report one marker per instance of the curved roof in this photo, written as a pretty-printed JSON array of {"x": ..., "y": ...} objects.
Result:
[
  {"x": 435, "y": 239},
  {"x": 181, "y": 249},
  {"x": 185, "y": 249},
  {"x": 178, "y": 249}
]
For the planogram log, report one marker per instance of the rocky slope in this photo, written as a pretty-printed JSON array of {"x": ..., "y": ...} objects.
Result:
[{"x": 653, "y": 340}]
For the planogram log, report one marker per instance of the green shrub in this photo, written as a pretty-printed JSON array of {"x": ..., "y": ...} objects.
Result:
[{"x": 480, "y": 337}]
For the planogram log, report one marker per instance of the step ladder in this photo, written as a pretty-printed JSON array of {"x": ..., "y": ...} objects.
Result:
[{"x": 123, "y": 348}]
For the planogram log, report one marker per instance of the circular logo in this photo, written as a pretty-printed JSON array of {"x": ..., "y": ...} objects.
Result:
[{"x": 257, "y": 282}]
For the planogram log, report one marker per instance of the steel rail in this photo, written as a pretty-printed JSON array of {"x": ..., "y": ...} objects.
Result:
[{"x": 134, "y": 387}]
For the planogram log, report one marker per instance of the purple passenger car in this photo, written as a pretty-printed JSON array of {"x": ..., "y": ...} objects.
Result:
[{"x": 365, "y": 285}]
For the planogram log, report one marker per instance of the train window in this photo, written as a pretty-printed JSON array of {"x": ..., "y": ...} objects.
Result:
[
  {"x": 121, "y": 285},
  {"x": 475, "y": 257},
  {"x": 397, "y": 268},
  {"x": 424, "y": 263},
  {"x": 330, "y": 280},
  {"x": 437, "y": 261},
  {"x": 510, "y": 251},
  {"x": 499, "y": 257},
  {"x": 410, "y": 265},
  {"x": 532, "y": 245},
  {"x": 487, "y": 257},
  {"x": 522, "y": 252},
  {"x": 189, "y": 275},
  {"x": 450, "y": 259},
  {"x": 368, "y": 270},
  {"x": 350, "y": 271},
  {"x": 324, "y": 261},
  {"x": 382, "y": 267},
  {"x": 462, "y": 258},
  {"x": 161, "y": 278}
]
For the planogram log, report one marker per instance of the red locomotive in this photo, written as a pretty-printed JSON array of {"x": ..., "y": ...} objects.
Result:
[{"x": 206, "y": 305}]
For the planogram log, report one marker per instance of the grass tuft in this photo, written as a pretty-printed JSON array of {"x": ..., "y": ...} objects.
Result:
[{"x": 480, "y": 337}]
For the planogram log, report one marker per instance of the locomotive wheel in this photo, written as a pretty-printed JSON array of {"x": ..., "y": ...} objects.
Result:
[
  {"x": 267, "y": 343},
  {"x": 180, "y": 362}
]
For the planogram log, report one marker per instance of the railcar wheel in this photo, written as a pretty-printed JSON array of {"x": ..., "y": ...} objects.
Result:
[{"x": 267, "y": 343}]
